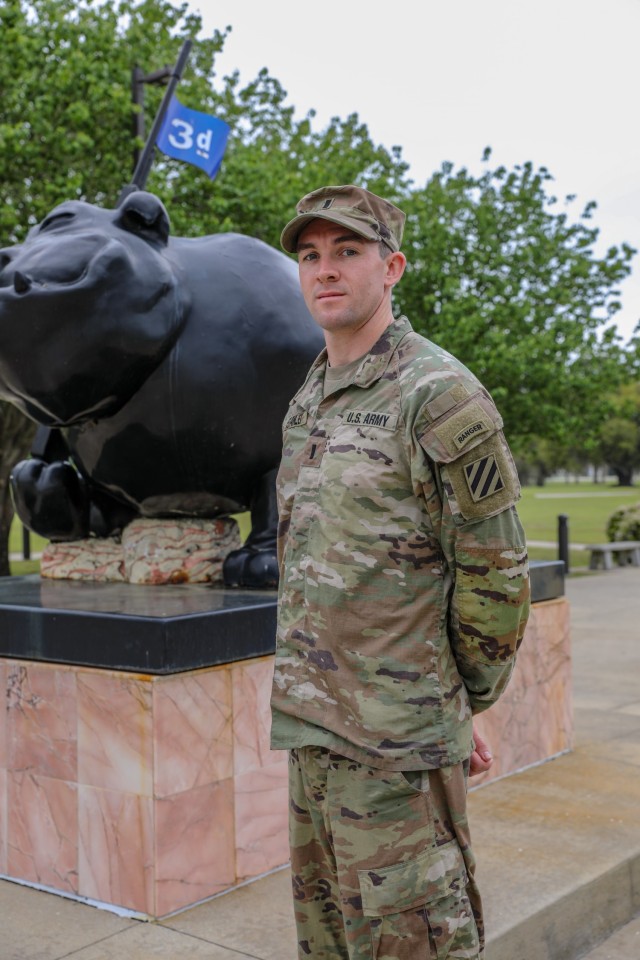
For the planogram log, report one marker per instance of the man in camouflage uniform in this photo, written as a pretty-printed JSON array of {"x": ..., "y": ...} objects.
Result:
[{"x": 403, "y": 598}]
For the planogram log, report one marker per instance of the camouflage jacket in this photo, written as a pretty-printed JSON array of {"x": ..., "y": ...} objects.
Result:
[{"x": 404, "y": 587}]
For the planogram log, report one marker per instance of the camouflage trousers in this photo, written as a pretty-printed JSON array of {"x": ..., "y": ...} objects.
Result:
[{"x": 381, "y": 862}]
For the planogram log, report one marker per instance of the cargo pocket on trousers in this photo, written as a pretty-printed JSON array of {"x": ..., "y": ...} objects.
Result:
[{"x": 420, "y": 908}]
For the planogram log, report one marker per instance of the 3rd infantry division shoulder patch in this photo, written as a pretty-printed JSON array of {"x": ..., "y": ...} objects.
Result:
[{"x": 483, "y": 477}]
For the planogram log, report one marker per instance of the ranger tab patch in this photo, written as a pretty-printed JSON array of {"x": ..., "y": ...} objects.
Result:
[
  {"x": 470, "y": 433},
  {"x": 483, "y": 477}
]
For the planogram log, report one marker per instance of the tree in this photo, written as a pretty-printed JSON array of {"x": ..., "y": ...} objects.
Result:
[
  {"x": 536, "y": 460},
  {"x": 513, "y": 288},
  {"x": 620, "y": 445},
  {"x": 66, "y": 112},
  {"x": 620, "y": 434}
]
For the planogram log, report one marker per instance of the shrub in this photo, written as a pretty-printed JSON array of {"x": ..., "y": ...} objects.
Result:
[{"x": 624, "y": 523}]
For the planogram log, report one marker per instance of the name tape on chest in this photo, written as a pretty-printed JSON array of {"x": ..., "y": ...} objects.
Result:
[
  {"x": 371, "y": 418},
  {"x": 296, "y": 420}
]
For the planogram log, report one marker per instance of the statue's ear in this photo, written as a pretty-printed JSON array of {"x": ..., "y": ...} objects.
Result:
[{"x": 143, "y": 214}]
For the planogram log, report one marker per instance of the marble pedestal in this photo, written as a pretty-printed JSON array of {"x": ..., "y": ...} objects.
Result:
[
  {"x": 134, "y": 761},
  {"x": 148, "y": 793},
  {"x": 533, "y": 720}
]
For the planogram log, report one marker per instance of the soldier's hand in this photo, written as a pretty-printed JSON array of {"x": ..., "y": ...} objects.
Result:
[{"x": 481, "y": 758}]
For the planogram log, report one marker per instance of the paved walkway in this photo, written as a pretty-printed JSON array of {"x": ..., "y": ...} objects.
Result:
[
  {"x": 554, "y": 543},
  {"x": 624, "y": 944},
  {"x": 561, "y": 874}
]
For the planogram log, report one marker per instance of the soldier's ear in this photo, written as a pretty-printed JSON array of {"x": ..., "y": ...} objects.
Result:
[
  {"x": 396, "y": 263},
  {"x": 143, "y": 214}
]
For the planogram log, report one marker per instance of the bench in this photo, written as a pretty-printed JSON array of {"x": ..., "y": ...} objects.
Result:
[{"x": 627, "y": 552}]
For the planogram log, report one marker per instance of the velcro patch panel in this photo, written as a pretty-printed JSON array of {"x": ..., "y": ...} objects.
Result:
[
  {"x": 484, "y": 480},
  {"x": 447, "y": 401},
  {"x": 468, "y": 425}
]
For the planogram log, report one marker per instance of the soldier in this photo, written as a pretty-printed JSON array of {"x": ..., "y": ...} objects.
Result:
[{"x": 403, "y": 598}]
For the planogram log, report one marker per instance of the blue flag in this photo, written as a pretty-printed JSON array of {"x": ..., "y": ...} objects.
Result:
[{"x": 193, "y": 137}]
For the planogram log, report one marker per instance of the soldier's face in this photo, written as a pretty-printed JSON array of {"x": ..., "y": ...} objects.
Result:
[{"x": 344, "y": 279}]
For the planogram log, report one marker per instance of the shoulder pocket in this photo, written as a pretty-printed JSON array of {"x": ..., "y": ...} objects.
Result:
[
  {"x": 477, "y": 468},
  {"x": 460, "y": 429}
]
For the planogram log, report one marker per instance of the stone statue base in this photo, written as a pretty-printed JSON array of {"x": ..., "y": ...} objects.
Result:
[
  {"x": 135, "y": 769},
  {"x": 148, "y": 552},
  {"x": 137, "y": 772}
]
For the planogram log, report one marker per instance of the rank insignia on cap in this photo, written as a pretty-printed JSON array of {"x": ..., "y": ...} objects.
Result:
[{"x": 483, "y": 477}]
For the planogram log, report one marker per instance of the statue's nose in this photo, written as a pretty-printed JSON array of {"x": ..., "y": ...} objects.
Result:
[{"x": 21, "y": 282}]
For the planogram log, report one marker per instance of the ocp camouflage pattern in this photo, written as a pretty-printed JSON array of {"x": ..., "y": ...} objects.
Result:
[
  {"x": 404, "y": 587},
  {"x": 381, "y": 862}
]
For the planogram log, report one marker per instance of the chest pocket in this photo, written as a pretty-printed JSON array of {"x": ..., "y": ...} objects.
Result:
[
  {"x": 363, "y": 450},
  {"x": 475, "y": 461}
]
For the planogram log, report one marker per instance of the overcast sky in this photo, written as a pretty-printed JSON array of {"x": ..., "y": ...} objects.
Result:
[{"x": 551, "y": 81}]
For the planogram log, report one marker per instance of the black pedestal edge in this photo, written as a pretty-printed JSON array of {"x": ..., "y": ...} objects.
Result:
[
  {"x": 172, "y": 644},
  {"x": 547, "y": 580}
]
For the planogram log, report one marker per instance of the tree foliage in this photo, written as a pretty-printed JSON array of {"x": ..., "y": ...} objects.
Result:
[
  {"x": 619, "y": 434},
  {"x": 502, "y": 277},
  {"x": 66, "y": 111},
  {"x": 537, "y": 460},
  {"x": 67, "y": 115}
]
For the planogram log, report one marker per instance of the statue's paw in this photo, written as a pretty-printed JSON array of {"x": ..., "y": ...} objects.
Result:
[
  {"x": 252, "y": 569},
  {"x": 51, "y": 499}
]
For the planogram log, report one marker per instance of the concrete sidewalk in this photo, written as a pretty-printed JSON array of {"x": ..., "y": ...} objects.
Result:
[
  {"x": 558, "y": 845},
  {"x": 624, "y": 944}
]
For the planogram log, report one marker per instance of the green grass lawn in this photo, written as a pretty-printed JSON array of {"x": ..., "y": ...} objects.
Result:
[
  {"x": 587, "y": 505},
  {"x": 20, "y": 568},
  {"x": 15, "y": 539}
]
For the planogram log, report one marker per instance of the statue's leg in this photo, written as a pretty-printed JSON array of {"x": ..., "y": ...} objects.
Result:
[
  {"x": 255, "y": 565},
  {"x": 51, "y": 499},
  {"x": 54, "y": 500}
]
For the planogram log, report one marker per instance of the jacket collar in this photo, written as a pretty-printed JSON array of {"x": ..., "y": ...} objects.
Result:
[
  {"x": 371, "y": 368},
  {"x": 377, "y": 360}
]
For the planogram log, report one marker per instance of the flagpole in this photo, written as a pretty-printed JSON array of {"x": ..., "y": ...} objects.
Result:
[{"x": 143, "y": 166}]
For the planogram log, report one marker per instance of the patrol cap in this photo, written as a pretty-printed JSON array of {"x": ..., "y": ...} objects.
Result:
[{"x": 362, "y": 212}]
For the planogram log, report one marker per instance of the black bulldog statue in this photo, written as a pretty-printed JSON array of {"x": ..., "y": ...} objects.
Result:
[{"x": 159, "y": 369}]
